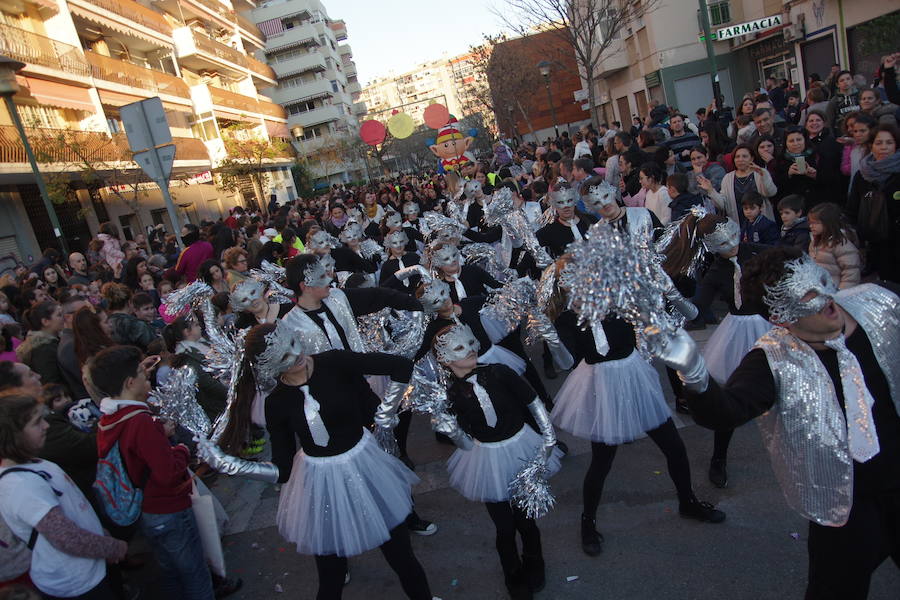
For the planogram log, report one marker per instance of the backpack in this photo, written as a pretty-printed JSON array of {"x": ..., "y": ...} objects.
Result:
[{"x": 119, "y": 498}]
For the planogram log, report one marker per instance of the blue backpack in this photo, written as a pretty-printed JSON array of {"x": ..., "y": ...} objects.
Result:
[{"x": 120, "y": 499}]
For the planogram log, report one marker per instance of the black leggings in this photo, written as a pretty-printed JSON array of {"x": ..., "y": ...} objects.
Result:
[
  {"x": 401, "y": 431},
  {"x": 722, "y": 438},
  {"x": 666, "y": 438},
  {"x": 397, "y": 552},
  {"x": 508, "y": 520}
]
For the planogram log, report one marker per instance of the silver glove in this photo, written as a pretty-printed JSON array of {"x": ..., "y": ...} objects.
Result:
[
  {"x": 542, "y": 418},
  {"x": 406, "y": 273},
  {"x": 446, "y": 424},
  {"x": 386, "y": 414},
  {"x": 212, "y": 455},
  {"x": 681, "y": 353},
  {"x": 681, "y": 304},
  {"x": 540, "y": 324}
]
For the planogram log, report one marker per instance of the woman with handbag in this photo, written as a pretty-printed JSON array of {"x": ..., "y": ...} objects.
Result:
[{"x": 873, "y": 202}]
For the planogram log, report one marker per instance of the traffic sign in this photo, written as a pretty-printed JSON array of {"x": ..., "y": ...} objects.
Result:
[
  {"x": 157, "y": 170},
  {"x": 145, "y": 124}
]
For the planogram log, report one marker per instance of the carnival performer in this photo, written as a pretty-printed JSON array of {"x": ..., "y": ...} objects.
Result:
[
  {"x": 613, "y": 397},
  {"x": 350, "y": 257},
  {"x": 465, "y": 280},
  {"x": 412, "y": 226},
  {"x": 252, "y": 305},
  {"x": 600, "y": 198},
  {"x": 320, "y": 243},
  {"x": 488, "y": 410},
  {"x": 342, "y": 494},
  {"x": 399, "y": 257},
  {"x": 567, "y": 226},
  {"x": 740, "y": 328},
  {"x": 826, "y": 391},
  {"x": 329, "y": 314}
]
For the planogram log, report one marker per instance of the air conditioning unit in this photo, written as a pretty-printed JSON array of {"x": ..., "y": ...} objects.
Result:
[{"x": 795, "y": 30}]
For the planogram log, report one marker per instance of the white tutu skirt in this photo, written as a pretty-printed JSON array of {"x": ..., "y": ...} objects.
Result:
[
  {"x": 501, "y": 356},
  {"x": 345, "y": 504},
  {"x": 611, "y": 402},
  {"x": 483, "y": 473},
  {"x": 730, "y": 342},
  {"x": 494, "y": 329}
]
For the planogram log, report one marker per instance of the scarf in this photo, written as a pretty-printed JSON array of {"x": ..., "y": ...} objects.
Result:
[
  {"x": 371, "y": 211},
  {"x": 878, "y": 171},
  {"x": 339, "y": 223}
]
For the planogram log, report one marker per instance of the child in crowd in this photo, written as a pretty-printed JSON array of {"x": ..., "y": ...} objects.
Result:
[
  {"x": 758, "y": 229},
  {"x": 145, "y": 310},
  {"x": 44, "y": 508},
  {"x": 682, "y": 200},
  {"x": 794, "y": 226},
  {"x": 6, "y": 314},
  {"x": 832, "y": 245}
]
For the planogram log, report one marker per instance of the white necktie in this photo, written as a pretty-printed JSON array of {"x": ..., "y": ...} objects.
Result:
[
  {"x": 460, "y": 288},
  {"x": 317, "y": 427},
  {"x": 484, "y": 401},
  {"x": 601, "y": 344},
  {"x": 861, "y": 434},
  {"x": 576, "y": 233},
  {"x": 738, "y": 301}
]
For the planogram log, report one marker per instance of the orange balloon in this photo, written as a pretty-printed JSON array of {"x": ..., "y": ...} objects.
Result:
[{"x": 436, "y": 116}]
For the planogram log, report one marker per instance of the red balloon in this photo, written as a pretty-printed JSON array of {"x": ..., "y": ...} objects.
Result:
[
  {"x": 372, "y": 132},
  {"x": 436, "y": 116}
]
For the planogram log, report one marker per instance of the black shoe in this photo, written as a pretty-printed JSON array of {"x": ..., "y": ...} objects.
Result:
[
  {"x": 681, "y": 406},
  {"x": 695, "y": 325},
  {"x": 534, "y": 572},
  {"x": 702, "y": 511},
  {"x": 563, "y": 447},
  {"x": 420, "y": 526},
  {"x": 718, "y": 473},
  {"x": 404, "y": 458},
  {"x": 226, "y": 586},
  {"x": 517, "y": 586},
  {"x": 591, "y": 539},
  {"x": 549, "y": 371}
]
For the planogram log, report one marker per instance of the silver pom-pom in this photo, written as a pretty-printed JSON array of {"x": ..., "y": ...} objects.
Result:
[
  {"x": 177, "y": 399},
  {"x": 230, "y": 360},
  {"x": 372, "y": 250},
  {"x": 427, "y": 393},
  {"x": 273, "y": 276},
  {"x": 529, "y": 489},
  {"x": 503, "y": 211},
  {"x": 179, "y": 302},
  {"x": 612, "y": 274},
  {"x": 434, "y": 223},
  {"x": 485, "y": 256},
  {"x": 512, "y": 303}
]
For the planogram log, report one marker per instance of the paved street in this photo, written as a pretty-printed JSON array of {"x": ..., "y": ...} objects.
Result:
[{"x": 758, "y": 553}]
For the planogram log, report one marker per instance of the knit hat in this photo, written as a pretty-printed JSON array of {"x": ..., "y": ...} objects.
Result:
[{"x": 449, "y": 131}]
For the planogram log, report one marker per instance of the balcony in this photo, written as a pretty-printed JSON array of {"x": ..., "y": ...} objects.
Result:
[
  {"x": 277, "y": 10},
  {"x": 128, "y": 10},
  {"x": 354, "y": 87},
  {"x": 317, "y": 88},
  {"x": 313, "y": 61},
  {"x": 123, "y": 73},
  {"x": 323, "y": 114},
  {"x": 615, "y": 59},
  {"x": 33, "y": 49},
  {"x": 344, "y": 50},
  {"x": 261, "y": 70},
  {"x": 250, "y": 28},
  {"x": 340, "y": 30},
  {"x": 199, "y": 52},
  {"x": 233, "y": 100},
  {"x": 206, "y": 10},
  {"x": 270, "y": 109},
  {"x": 349, "y": 70},
  {"x": 83, "y": 146},
  {"x": 359, "y": 109},
  {"x": 304, "y": 35}
]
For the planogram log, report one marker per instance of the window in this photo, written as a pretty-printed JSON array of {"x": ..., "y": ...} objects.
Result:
[
  {"x": 41, "y": 116},
  {"x": 334, "y": 86},
  {"x": 719, "y": 13}
]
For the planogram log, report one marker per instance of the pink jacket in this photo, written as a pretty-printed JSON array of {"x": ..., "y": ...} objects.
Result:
[{"x": 111, "y": 251}]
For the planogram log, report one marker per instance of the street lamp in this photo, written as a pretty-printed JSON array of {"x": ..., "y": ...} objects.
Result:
[
  {"x": 8, "y": 89},
  {"x": 544, "y": 67}
]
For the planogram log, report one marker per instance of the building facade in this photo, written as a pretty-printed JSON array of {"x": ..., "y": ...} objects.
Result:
[
  {"x": 427, "y": 83},
  {"x": 85, "y": 59},
  {"x": 316, "y": 79},
  {"x": 660, "y": 57}
]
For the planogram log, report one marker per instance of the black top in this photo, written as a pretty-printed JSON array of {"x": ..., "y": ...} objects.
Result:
[
  {"x": 470, "y": 316},
  {"x": 510, "y": 395},
  {"x": 346, "y": 404},
  {"x": 392, "y": 265},
  {"x": 346, "y": 259},
  {"x": 475, "y": 280},
  {"x": 719, "y": 281},
  {"x": 581, "y": 344},
  {"x": 245, "y": 319},
  {"x": 750, "y": 391},
  {"x": 556, "y": 236}
]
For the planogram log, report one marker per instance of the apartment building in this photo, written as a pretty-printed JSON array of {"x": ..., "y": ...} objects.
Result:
[
  {"x": 87, "y": 58},
  {"x": 661, "y": 56},
  {"x": 317, "y": 81}
]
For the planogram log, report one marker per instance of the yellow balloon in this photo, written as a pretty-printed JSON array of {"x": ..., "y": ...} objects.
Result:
[{"x": 401, "y": 126}]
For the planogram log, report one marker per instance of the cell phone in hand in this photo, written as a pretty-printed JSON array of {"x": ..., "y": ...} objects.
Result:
[{"x": 800, "y": 161}]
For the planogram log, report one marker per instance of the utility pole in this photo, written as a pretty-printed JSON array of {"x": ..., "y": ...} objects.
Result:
[{"x": 710, "y": 53}]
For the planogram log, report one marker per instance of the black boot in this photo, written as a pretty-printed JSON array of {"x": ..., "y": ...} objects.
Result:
[
  {"x": 718, "y": 472},
  {"x": 517, "y": 585},
  {"x": 591, "y": 539},
  {"x": 534, "y": 572}
]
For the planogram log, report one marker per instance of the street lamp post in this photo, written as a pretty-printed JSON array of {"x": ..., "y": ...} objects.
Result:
[
  {"x": 544, "y": 67},
  {"x": 8, "y": 88},
  {"x": 512, "y": 121}
]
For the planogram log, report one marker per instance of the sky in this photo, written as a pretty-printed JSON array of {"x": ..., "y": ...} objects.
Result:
[{"x": 395, "y": 35}]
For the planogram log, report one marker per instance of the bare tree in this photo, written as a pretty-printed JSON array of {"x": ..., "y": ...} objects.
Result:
[{"x": 590, "y": 27}]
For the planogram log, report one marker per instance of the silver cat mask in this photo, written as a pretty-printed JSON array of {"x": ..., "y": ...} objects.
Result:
[
  {"x": 434, "y": 296},
  {"x": 445, "y": 256},
  {"x": 724, "y": 237},
  {"x": 395, "y": 240},
  {"x": 245, "y": 293},
  {"x": 563, "y": 198},
  {"x": 802, "y": 276},
  {"x": 352, "y": 231},
  {"x": 316, "y": 275},
  {"x": 599, "y": 196},
  {"x": 410, "y": 209},
  {"x": 456, "y": 344}
]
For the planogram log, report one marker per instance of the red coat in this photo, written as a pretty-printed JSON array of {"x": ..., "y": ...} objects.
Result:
[
  {"x": 191, "y": 258},
  {"x": 149, "y": 457}
]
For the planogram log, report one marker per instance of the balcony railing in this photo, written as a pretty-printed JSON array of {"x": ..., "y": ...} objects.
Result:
[
  {"x": 248, "y": 26},
  {"x": 217, "y": 8},
  {"x": 270, "y": 109},
  {"x": 117, "y": 71},
  {"x": 31, "y": 48},
  {"x": 137, "y": 13},
  {"x": 260, "y": 68},
  {"x": 218, "y": 49},
  {"x": 239, "y": 102}
]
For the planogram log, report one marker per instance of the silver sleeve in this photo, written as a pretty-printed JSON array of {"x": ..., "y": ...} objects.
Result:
[
  {"x": 446, "y": 424},
  {"x": 234, "y": 466},
  {"x": 542, "y": 417}
]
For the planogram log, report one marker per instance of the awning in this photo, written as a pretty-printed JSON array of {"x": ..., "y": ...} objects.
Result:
[
  {"x": 55, "y": 94},
  {"x": 113, "y": 23},
  {"x": 234, "y": 116},
  {"x": 277, "y": 130},
  {"x": 110, "y": 98}
]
